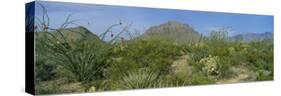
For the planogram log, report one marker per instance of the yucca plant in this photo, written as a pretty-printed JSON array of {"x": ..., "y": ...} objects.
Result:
[
  {"x": 138, "y": 79},
  {"x": 83, "y": 59}
]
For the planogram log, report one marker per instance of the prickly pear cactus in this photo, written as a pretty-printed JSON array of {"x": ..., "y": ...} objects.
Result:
[{"x": 211, "y": 65}]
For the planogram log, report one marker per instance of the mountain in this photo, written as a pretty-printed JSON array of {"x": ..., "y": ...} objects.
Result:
[
  {"x": 254, "y": 36},
  {"x": 70, "y": 34},
  {"x": 174, "y": 31}
]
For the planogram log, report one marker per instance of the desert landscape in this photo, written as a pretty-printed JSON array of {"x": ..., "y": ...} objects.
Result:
[{"x": 72, "y": 58}]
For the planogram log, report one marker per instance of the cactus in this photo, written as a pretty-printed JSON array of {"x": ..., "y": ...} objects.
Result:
[{"x": 211, "y": 65}]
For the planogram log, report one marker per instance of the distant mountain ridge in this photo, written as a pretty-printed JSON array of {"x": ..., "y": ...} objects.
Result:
[
  {"x": 173, "y": 30},
  {"x": 254, "y": 36},
  {"x": 171, "y": 26},
  {"x": 73, "y": 33}
]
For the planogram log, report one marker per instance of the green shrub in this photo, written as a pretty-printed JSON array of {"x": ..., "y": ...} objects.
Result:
[
  {"x": 45, "y": 68},
  {"x": 260, "y": 56},
  {"x": 263, "y": 75},
  {"x": 200, "y": 78},
  {"x": 44, "y": 71},
  {"x": 151, "y": 54}
]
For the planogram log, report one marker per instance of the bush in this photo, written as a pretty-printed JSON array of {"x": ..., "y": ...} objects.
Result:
[
  {"x": 44, "y": 71},
  {"x": 263, "y": 75},
  {"x": 200, "y": 78},
  {"x": 151, "y": 54},
  {"x": 45, "y": 68},
  {"x": 260, "y": 56}
]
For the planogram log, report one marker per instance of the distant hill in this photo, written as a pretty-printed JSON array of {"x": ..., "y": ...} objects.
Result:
[
  {"x": 173, "y": 30},
  {"x": 254, "y": 36},
  {"x": 70, "y": 34}
]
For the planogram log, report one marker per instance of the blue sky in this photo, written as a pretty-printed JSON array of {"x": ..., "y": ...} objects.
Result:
[{"x": 100, "y": 17}]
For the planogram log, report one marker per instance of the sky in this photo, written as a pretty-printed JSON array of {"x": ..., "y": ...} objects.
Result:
[{"x": 97, "y": 18}]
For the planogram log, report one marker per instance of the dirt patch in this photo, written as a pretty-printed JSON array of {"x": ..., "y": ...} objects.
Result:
[
  {"x": 181, "y": 67},
  {"x": 242, "y": 75}
]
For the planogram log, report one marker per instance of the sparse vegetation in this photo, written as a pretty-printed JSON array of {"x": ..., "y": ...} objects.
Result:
[{"x": 76, "y": 60}]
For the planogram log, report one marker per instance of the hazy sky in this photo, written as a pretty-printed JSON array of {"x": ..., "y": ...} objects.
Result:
[{"x": 100, "y": 17}]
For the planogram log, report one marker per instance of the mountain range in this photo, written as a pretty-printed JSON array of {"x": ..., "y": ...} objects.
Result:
[
  {"x": 171, "y": 30},
  {"x": 254, "y": 36}
]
